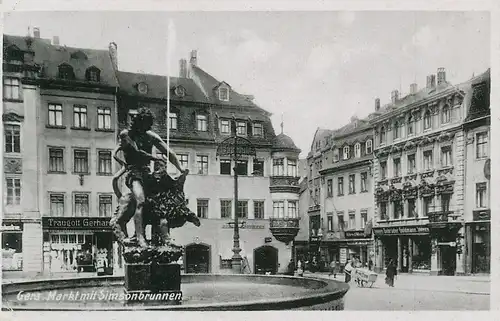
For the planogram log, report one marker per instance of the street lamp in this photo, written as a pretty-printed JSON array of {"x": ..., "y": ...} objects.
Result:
[{"x": 235, "y": 147}]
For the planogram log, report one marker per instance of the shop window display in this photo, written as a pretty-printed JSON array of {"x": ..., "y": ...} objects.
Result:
[
  {"x": 70, "y": 252},
  {"x": 421, "y": 259},
  {"x": 12, "y": 252}
]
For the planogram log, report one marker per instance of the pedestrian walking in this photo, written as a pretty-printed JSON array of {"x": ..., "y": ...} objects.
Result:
[
  {"x": 390, "y": 273},
  {"x": 348, "y": 270},
  {"x": 333, "y": 269},
  {"x": 300, "y": 270},
  {"x": 370, "y": 264}
]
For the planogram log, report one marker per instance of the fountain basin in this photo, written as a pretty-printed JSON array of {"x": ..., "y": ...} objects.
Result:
[{"x": 206, "y": 292}]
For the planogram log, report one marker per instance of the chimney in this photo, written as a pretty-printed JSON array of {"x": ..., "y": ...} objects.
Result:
[
  {"x": 394, "y": 96},
  {"x": 36, "y": 32},
  {"x": 377, "y": 104},
  {"x": 413, "y": 89},
  {"x": 55, "y": 40},
  {"x": 431, "y": 81},
  {"x": 441, "y": 76},
  {"x": 183, "y": 68},
  {"x": 194, "y": 59},
  {"x": 113, "y": 54}
]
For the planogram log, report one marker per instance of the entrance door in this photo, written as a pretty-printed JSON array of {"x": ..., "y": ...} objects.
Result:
[
  {"x": 265, "y": 260},
  {"x": 197, "y": 258},
  {"x": 405, "y": 252},
  {"x": 449, "y": 260}
]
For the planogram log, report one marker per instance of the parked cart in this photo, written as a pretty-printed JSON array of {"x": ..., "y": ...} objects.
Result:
[{"x": 364, "y": 277}]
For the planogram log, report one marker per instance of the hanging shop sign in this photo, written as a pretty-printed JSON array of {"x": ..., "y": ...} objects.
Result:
[
  {"x": 343, "y": 255},
  {"x": 12, "y": 227},
  {"x": 401, "y": 230},
  {"x": 356, "y": 235},
  {"x": 76, "y": 223}
]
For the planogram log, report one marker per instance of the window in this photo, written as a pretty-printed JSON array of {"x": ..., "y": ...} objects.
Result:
[
  {"x": 383, "y": 170},
  {"x": 397, "y": 167},
  {"x": 279, "y": 209},
  {"x": 279, "y": 167},
  {"x": 364, "y": 218},
  {"x": 81, "y": 205},
  {"x": 258, "y": 167},
  {"x": 258, "y": 210},
  {"x": 427, "y": 120},
  {"x": 445, "y": 114},
  {"x": 335, "y": 155},
  {"x": 398, "y": 209},
  {"x": 66, "y": 72},
  {"x": 80, "y": 116},
  {"x": 340, "y": 218},
  {"x": 55, "y": 115},
  {"x": 172, "y": 121},
  {"x": 340, "y": 186},
  {"x": 241, "y": 128},
  {"x": 81, "y": 161},
  {"x": 346, "y": 152},
  {"x": 352, "y": 221},
  {"x": 202, "y": 163},
  {"x": 242, "y": 167},
  {"x": 57, "y": 205},
  {"x": 258, "y": 130},
  {"x": 56, "y": 160},
  {"x": 225, "y": 167},
  {"x": 103, "y": 118},
  {"x": 410, "y": 125},
  {"x": 427, "y": 205},
  {"x": 13, "y": 191},
  {"x": 329, "y": 188},
  {"x": 428, "y": 160},
  {"x": 445, "y": 203},
  {"x": 201, "y": 123},
  {"x": 412, "y": 208},
  {"x": 369, "y": 147},
  {"x": 104, "y": 162},
  {"x": 93, "y": 74},
  {"x": 225, "y": 208},
  {"x": 396, "y": 130},
  {"x": 383, "y": 210},
  {"x": 184, "y": 160},
  {"x": 202, "y": 208},
  {"x": 225, "y": 126},
  {"x": 382, "y": 135},
  {"x": 292, "y": 167},
  {"x": 224, "y": 94},
  {"x": 12, "y": 138},
  {"x": 329, "y": 222},
  {"x": 364, "y": 178},
  {"x": 482, "y": 145},
  {"x": 357, "y": 150},
  {"x": 105, "y": 205},
  {"x": 446, "y": 156},
  {"x": 412, "y": 165},
  {"x": 352, "y": 184},
  {"x": 11, "y": 88},
  {"x": 292, "y": 209},
  {"x": 481, "y": 195}
]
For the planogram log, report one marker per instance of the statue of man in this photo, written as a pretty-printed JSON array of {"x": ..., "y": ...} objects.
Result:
[{"x": 137, "y": 143}]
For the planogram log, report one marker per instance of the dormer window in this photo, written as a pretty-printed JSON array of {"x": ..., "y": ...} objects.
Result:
[
  {"x": 93, "y": 74},
  {"x": 225, "y": 126},
  {"x": 66, "y": 72},
  {"x": 224, "y": 94},
  {"x": 14, "y": 54},
  {"x": 201, "y": 123},
  {"x": 357, "y": 150},
  {"x": 369, "y": 147},
  {"x": 335, "y": 155},
  {"x": 346, "y": 152},
  {"x": 241, "y": 128},
  {"x": 172, "y": 121},
  {"x": 258, "y": 130},
  {"x": 142, "y": 88}
]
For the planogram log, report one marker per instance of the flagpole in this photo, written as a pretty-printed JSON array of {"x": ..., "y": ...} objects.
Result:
[{"x": 170, "y": 48}]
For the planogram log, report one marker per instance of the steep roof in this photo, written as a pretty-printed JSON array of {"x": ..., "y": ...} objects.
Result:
[
  {"x": 284, "y": 142},
  {"x": 51, "y": 56},
  {"x": 480, "y": 97}
]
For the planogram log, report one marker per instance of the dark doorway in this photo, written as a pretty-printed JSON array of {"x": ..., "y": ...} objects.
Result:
[
  {"x": 449, "y": 259},
  {"x": 390, "y": 250},
  {"x": 265, "y": 260},
  {"x": 197, "y": 258},
  {"x": 405, "y": 252}
]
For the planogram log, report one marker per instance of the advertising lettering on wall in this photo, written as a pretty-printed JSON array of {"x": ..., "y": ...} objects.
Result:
[
  {"x": 11, "y": 227},
  {"x": 401, "y": 230},
  {"x": 356, "y": 235},
  {"x": 76, "y": 223}
]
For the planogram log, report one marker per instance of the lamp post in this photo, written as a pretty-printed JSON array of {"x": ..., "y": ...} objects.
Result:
[{"x": 235, "y": 147}]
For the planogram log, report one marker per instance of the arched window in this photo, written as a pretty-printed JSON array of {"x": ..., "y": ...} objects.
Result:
[
  {"x": 369, "y": 147},
  {"x": 427, "y": 120},
  {"x": 410, "y": 125},
  {"x": 66, "y": 72},
  {"x": 382, "y": 135},
  {"x": 445, "y": 114},
  {"x": 93, "y": 74},
  {"x": 346, "y": 152},
  {"x": 357, "y": 150},
  {"x": 396, "y": 129}
]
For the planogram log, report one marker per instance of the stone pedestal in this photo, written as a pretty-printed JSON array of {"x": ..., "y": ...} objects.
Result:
[
  {"x": 165, "y": 277},
  {"x": 137, "y": 276}
]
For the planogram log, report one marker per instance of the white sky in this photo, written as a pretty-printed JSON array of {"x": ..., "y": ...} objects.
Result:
[{"x": 316, "y": 68}]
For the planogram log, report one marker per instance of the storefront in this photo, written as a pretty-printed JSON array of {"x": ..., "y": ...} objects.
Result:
[
  {"x": 478, "y": 238},
  {"x": 408, "y": 246},
  {"x": 73, "y": 244},
  {"x": 12, "y": 246},
  {"x": 356, "y": 246}
]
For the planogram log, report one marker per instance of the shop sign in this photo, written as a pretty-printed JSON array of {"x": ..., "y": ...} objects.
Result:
[
  {"x": 401, "y": 230},
  {"x": 343, "y": 255},
  {"x": 12, "y": 227},
  {"x": 356, "y": 235},
  {"x": 76, "y": 223},
  {"x": 245, "y": 226}
]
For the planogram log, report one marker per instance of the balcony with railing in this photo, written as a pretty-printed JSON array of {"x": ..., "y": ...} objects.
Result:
[
  {"x": 284, "y": 229},
  {"x": 286, "y": 184}
]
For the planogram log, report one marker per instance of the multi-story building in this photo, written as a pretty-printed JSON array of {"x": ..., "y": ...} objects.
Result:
[
  {"x": 21, "y": 223},
  {"x": 419, "y": 175},
  {"x": 201, "y": 111},
  {"x": 477, "y": 190},
  {"x": 346, "y": 194},
  {"x": 72, "y": 98}
]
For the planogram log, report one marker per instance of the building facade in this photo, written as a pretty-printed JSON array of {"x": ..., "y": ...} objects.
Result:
[
  {"x": 419, "y": 171},
  {"x": 201, "y": 111}
]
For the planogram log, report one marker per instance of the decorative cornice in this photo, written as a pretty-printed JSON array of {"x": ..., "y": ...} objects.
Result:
[{"x": 11, "y": 116}]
